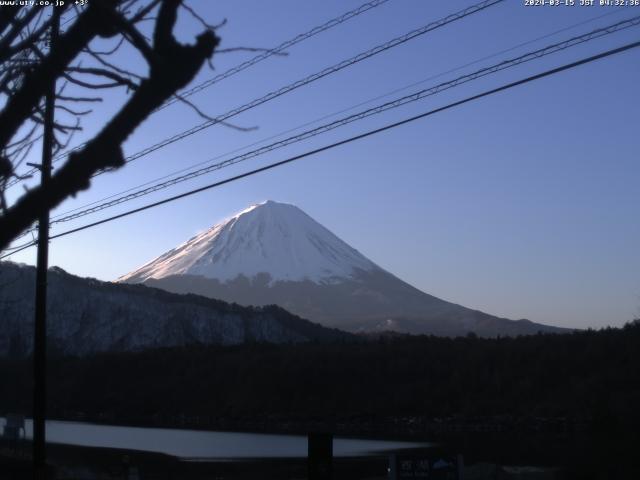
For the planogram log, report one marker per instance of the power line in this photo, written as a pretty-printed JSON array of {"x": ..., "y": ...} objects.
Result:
[
  {"x": 369, "y": 133},
  {"x": 280, "y": 48},
  {"x": 317, "y": 76},
  {"x": 344, "y": 110},
  {"x": 20, "y": 249},
  {"x": 310, "y": 79},
  {"x": 365, "y": 7},
  {"x": 539, "y": 53}
]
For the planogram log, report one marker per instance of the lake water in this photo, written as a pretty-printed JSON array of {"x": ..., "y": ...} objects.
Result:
[{"x": 205, "y": 445}]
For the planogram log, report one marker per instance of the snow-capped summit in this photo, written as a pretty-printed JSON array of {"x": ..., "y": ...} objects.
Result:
[
  {"x": 274, "y": 238},
  {"x": 274, "y": 253}
]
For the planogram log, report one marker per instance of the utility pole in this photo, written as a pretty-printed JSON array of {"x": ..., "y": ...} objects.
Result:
[{"x": 40, "y": 323}]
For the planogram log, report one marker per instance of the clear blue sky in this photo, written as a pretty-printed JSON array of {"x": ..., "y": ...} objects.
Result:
[{"x": 524, "y": 204}]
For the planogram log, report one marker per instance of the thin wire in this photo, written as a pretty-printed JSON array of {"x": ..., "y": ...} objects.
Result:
[
  {"x": 351, "y": 139},
  {"x": 19, "y": 249},
  {"x": 554, "y": 48},
  {"x": 249, "y": 63},
  {"x": 307, "y": 80},
  {"x": 316, "y": 76},
  {"x": 344, "y": 110},
  {"x": 280, "y": 48},
  {"x": 29, "y": 173}
]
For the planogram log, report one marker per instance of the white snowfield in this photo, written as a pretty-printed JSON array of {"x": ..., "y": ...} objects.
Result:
[
  {"x": 270, "y": 237},
  {"x": 313, "y": 274}
]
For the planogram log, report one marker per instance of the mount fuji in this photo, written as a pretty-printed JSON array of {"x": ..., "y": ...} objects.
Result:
[{"x": 274, "y": 253}]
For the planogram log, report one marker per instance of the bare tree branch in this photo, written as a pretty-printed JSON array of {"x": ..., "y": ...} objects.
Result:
[
  {"x": 171, "y": 67},
  {"x": 34, "y": 84},
  {"x": 78, "y": 99},
  {"x": 119, "y": 80},
  {"x": 204, "y": 116}
]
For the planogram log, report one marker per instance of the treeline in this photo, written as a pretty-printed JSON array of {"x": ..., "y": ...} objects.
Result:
[{"x": 589, "y": 378}]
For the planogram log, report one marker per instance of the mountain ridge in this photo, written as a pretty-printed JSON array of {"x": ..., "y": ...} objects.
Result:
[
  {"x": 274, "y": 253},
  {"x": 86, "y": 316},
  {"x": 272, "y": 237}
]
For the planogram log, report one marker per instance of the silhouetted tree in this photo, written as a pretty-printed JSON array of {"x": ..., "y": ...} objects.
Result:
[
  {"x": 572, "y": 381},
  {"x": 28, "y": 66}
]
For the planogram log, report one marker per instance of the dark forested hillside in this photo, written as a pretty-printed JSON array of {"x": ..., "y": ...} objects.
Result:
[
  {"x": 589, "y": 379},
  {"x": 86, "y": 316}
]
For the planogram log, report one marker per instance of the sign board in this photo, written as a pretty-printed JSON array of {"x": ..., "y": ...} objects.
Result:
[{"x": 436, "y": 467}]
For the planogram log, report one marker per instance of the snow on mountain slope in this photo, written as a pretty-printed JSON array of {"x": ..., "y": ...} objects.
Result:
[
  {"x": 274, "y": 253},
  {"x": 270, "y": 237}
]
